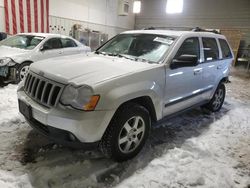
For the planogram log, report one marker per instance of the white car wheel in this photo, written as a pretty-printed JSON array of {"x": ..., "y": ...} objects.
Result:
[{"x": 23, "y": 72}]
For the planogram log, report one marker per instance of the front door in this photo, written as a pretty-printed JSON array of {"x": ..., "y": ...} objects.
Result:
[
  {"x": 183, "y": 84},
  {"x": 70, "y": 47},
  {"x": 51, "y": 48}
]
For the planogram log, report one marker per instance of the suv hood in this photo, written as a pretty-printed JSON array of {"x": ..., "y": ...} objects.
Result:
[
  {"x": 6, "y": 51},
  {"x": 86, "y": 69}
]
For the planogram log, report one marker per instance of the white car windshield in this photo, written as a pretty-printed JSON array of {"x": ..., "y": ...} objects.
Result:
[
  {"x": 27, "y": 42},
  {"x": 144, "y": 47}
]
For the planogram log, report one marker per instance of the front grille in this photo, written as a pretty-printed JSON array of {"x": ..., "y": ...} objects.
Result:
[{"x": 42, "y": 90}]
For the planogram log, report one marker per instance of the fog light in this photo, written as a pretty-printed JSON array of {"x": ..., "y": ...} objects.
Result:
[{"x": 72, "y": 137}]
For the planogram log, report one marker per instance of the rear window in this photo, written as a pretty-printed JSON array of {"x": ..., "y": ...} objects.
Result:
[
  {"x": 226, "y": 52},
  {"x": 210, "y": 48}
]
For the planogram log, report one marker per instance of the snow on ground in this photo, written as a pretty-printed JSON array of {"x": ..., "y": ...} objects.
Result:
[{"x": 196, "y": 149}]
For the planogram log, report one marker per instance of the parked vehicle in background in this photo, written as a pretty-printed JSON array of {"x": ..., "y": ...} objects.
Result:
[
  {"x": 111, "y": 98},
  {"x": 3, "y": 36},
  {"x": 19, "y": 51}
]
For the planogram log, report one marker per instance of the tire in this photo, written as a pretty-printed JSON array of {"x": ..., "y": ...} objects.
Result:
[
  {"x": 218, "y": 98},
  {"x": 131, "y": 127},
  {"x": 22, "y": 71},
  {"x": 2, "y": 84}
]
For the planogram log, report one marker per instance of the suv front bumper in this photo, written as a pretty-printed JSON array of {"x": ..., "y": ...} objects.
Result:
[{"x": 61, "y": 123}]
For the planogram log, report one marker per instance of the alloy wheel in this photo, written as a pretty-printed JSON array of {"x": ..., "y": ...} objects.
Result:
[
  {"x": 131, "y": 134},
  {"x": 23, "y": 72},
  {"x": 218, "y": 99}
]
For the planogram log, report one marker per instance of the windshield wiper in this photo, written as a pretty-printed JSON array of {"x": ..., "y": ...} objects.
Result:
[
  {"x": 121, "y": 55},
  {"x": 124, "y": 56},
  {"x": 98, "y": 52}
]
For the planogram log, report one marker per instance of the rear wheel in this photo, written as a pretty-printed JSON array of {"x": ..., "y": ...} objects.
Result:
[
  {"x": 22, "y": 71},
  {"x": 127, "y": 133},
  {"x": 217, "y": 101}
]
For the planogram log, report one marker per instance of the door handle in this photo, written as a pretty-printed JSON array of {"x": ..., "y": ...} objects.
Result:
[
  {"x": 219, "y": 67},
  {"x": 197, "y": 71}
]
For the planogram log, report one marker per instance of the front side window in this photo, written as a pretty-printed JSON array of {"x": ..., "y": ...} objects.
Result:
[
  {"x": 27, "y": 42},
  {"x": 210, "y": 49},
  {"x": 148, "y": 47},
  {"x": 226, "y": 52},
  {"x": 54, "y": 43},
  {"x": 68, "y": 43},
  {"x": 189, "y": 47}
]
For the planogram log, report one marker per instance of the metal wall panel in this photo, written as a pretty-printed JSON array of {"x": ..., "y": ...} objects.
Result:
[{"x": 202, "y": 13}]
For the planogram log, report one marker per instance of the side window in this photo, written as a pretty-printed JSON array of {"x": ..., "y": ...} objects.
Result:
[
  {"x": 189, "y": 47},
  {"x": 210, "y": 48},
  {"x": 226, "y": 52},
  {"x": 68, "y": 43},
  {"x": 53, "y": 43}
]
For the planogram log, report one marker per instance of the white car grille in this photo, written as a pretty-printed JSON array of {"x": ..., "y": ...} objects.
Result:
[{"x": 42, "y": 90}]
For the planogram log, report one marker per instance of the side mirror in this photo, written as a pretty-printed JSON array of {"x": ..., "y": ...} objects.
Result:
[
  {"x": 43, "y": 48},
  {"x": 184, "y": 61}
]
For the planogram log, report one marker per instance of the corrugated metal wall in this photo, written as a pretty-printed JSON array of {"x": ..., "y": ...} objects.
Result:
[{"x": 202, "y": 13}]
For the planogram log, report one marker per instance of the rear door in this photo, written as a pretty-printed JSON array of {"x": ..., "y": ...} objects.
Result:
[
  {"x": 183, "y": 84},
  {"x": 226, "y": 54},
  {"x": 213, "y": 65}
]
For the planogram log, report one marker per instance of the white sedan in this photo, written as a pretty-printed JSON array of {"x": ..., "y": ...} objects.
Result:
[{"x": 19, "y": 51}]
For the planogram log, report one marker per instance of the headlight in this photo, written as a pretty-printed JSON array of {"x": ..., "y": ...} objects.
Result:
[
  {"x": 81, "y": 98},
  {"x": 7, "y": 61}
]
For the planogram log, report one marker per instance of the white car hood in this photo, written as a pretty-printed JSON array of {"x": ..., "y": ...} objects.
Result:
[
  {"x": 86, "y": 69},
  {"x": 13, "y": 53}
]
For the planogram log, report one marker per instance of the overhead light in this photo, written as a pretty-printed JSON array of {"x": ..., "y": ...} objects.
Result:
[
  {"x": 174, "y": 6},
  {"x": 137, "y": 7}
]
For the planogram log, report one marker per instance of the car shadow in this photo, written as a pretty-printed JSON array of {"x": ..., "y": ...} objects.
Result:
[{"x": 50, "y": 165}]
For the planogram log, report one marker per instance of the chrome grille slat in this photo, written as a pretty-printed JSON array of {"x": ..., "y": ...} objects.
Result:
[
  {"x": 50, "y": 94},
  {"x": 42, "y": 90},
  {"x": 26, "y": 81},
  {"x": 33, "y": 86},
  {"x": 29, "y": 82},
  {"x": 43, "y": 93},
  {"x": 38, "y": 87}
]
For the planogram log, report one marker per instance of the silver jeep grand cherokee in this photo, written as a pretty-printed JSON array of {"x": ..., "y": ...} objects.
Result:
[{"x": 110, "y": 98}]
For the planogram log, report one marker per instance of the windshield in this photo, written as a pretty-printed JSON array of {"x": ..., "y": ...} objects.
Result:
[
  {"x": 144, "y": 47},
  {"x": 28, "y": 42}
]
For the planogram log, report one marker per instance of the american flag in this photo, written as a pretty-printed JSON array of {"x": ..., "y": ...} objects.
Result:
[{"x": 26, "y": 16}]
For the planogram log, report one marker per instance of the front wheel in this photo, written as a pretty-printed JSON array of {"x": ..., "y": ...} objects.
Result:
[
  {"x": 127, "y": 133},
  {"x": 22, "y": 71},
  {"x": 217, "y": 101}
]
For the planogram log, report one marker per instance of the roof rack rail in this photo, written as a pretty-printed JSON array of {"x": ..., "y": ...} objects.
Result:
[
  {"x": 169, "y": 28},
  {"x": 196, "y": 29}
]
